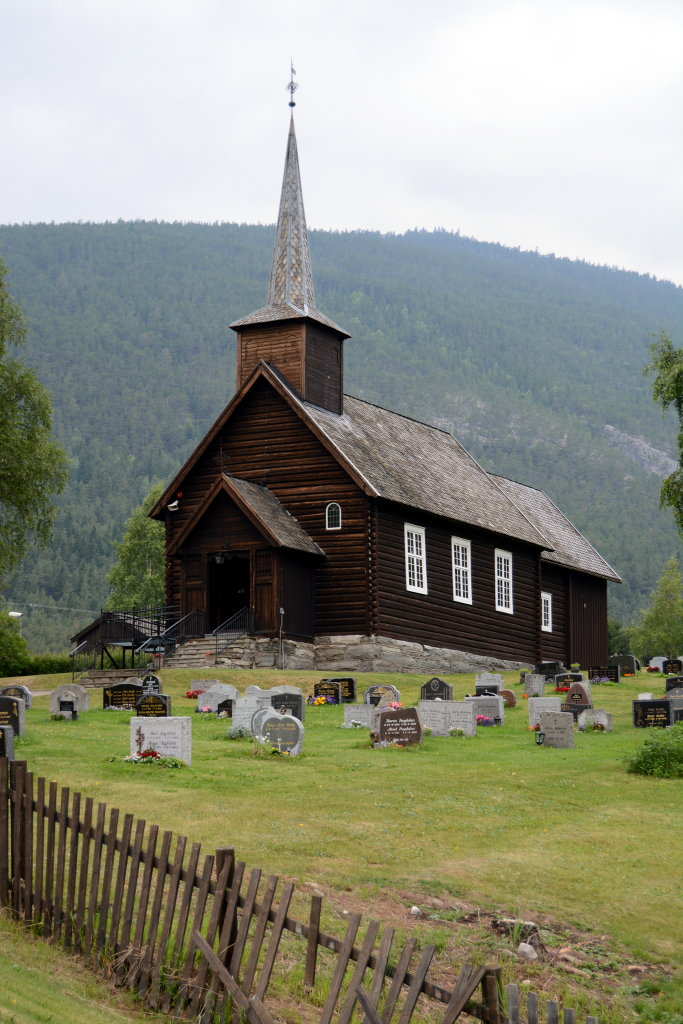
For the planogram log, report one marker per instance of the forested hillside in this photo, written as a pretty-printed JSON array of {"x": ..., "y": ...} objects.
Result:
[{"x": 534, "y": 362}]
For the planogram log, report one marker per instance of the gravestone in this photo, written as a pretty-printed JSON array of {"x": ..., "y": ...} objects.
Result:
[
  {"x": 675, "y": 705},
  {"x": 347, "y": 685},
  {"x": 488, "y": 682},
  {"x": 284, "y": 732},
  {"x": 489, "y": 707},
  {"x": 361, "y": 713},
  {"x": 13, "y": 714},
  {"x": 258, "y": 717},
  {"x": 244, "y": 707},
  {"x": 170, "y": 737},
  {"x": 534, "y": 684},
  {"x": 381, "y": 694},
  {"x": 657, "y": 662},
  {"x": 578, "y": 699},
  {"x": 133, "y": 680},
  {"x": 673, "y": 682},
  {"x": 121, "y": 695},
  {"x": 400, "y": 726},
  {"x": 216, "y": 694},
  {"x": 557, "y": 728},
  {"x": 509, "y": 699},
  {"x": 648, "y": 714},
  {"x": 17, "y": 690},
  {"x": 72, "y": 693},
  {"x": 611, "y": 672},
  {"x": 150, "y": 684},
  {"x": 592, "y": 717},
  {"x": 440, "y": 716},
  {"x": 436, "y": 689},
  {"x": 288, "y": 700},
  {"x": 538, "y": 705},
  {"x": 330, "y": 689},
  {"x": 549, "y": 669},
  {"x": 625, "y": 662},
  {"x": 675, "y": 691},
  {"x": 672, "y": 667},
  {"x": 224, "y": 708},
  {"x": 7, "y": 742},
  {"x": 563, "y": 677},
  {"x": 153, "y": 705}
]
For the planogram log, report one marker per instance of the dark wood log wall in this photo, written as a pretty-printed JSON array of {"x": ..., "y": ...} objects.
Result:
[
  {"x": 324, "y": 380},
  {"x": 266, "y": 442},
  {"x": 435, "y": 618},
  {"x": 279, "y": 344},
  {"x": 554, "y": 646}
]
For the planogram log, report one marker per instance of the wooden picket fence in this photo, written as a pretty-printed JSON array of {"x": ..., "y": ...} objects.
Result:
[{"x": 194, "y": 937}]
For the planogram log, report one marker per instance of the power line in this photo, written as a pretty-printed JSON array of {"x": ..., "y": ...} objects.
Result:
[{"x": 50, "y": 607}]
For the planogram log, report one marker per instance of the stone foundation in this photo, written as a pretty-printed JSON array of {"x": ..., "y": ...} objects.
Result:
[{"x": 353, "y": 653}]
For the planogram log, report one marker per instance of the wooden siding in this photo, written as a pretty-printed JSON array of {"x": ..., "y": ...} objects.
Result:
[
  {"x": 587, "y": 631},
  {"x": 324, "y": 383},
  {"x": 265, "y": 442},
  {"x": 297, "y": 596},
  {"x": 435, "y": 618},
  {"x": 554, "y": 646},
  {"x": 282, "y": 345}
]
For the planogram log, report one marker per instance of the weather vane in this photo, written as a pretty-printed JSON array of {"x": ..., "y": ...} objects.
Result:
[{"x": 292, "y": 86}]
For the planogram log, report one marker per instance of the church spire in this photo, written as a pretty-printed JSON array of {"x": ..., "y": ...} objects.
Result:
[{"x": 291, "y": 279}]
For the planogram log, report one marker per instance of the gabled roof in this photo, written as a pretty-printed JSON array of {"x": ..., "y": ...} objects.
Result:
[
  {"x": 290, "y": 289},
  {"x": 263, "y": 510},
  {"x": 570, "y": 548}
]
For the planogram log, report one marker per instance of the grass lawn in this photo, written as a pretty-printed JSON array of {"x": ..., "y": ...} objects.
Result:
[{"x": 467, "y": 829}]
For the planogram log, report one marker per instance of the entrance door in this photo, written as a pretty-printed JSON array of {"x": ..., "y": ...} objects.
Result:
[{"x": 228, "y": 587}]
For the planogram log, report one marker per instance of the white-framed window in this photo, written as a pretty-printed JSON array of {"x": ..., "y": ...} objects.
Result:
[
  {"x": 546, "y": 612},
  {"x": 333, "y": 516},
  {"x": 462, "y": 569},
  {"x": 503, "y": 581},
  {"x": 416, "y": 559}
]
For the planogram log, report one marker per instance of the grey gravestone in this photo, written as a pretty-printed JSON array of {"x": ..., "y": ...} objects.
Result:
[
  {"x": 13, "y": 714},
  {"x": 348, "y": 687},
  {"x": 151, "y": 684},
  {"x": 17, "y": 690},
  {"x": 204, "y": 684},
  {"x": 675, "y": 704},
  {"x": 648, "y": 714},
  {"x": 215, "y": 694},
  {"x": 258, "y": 717},
  {"x": 121, "y": 695},
  {"x": 539, "y": 705},
  {"x": 400, "y": 726},
  {"x": 509, "y": 699},
  {"x": 578, "y": 699},
  {"x": 436, "y": 689},
  {"x": 594, "y": 716},
  {"x": 154, "y": 705},
  {"x": 675, "y": 691},
  {"x": 488, "y": 682},
  {"x": 170, "y": 737},
  {"x": 361, "y": 713},
  {"x": 381, "y": 694},
  {"x": 288, "y": 700},
  {"x": 489, "y": 707},
  {"x": 284, "y": 732},
  {"x": 133, "y": 680},
  {"x": 443, "y": 715},
  {"x": 7, "y": 742},
  {"x": 657, "y": 662},
  {"x": 244, "y": 707},
  {"x": 557, "y": 728},
  {"x": 70, "y": 692},
  {"x": 328, "y": 688},
  {"x": 534, "y": 684}
]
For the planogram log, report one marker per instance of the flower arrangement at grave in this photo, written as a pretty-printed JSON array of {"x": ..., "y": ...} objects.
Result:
[
  {"x": 525, "y": 696},
  {"x": 152, "y": 757},
  {"x": 320, "y": 701},
  {"x": 394, "y": 704},
  {"x": 206, "y": 710},
  {"x": 596, "y": 727},
  {"x": 484, "y": 720},
  {"x": 193, "y": 694},
  {"x": 650, "y": 668},
  {"x": 535, "y": 728},
  {"x": 601, "y": 680},
  {"x": 563, "y": 689}
]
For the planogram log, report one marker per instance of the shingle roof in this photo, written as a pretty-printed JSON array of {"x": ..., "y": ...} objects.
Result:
[
  {"x": 420, "y": 466},
  {"x": 282, "y": 526},
  {"x": 570, "y": 548}
]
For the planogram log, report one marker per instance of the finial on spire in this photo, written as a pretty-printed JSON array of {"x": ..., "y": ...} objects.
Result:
[{"x": 292, "y": 86}]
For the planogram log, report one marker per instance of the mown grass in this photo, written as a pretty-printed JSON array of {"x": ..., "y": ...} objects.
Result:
[{"x": 564, "y": 837}]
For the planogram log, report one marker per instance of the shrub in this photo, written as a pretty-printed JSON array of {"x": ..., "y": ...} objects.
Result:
[
  {"x": 47, "y": 664},
  {"x": 660, "y": 755}
]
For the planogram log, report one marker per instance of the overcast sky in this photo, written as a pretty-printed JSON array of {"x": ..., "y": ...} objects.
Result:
[{"x": 554, "y": 125}]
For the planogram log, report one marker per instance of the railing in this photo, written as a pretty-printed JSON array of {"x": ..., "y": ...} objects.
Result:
[
  {"x": 84, "y": 658},
  {"x": 135, "y": 625},
  {"x": 238, "y": 625},
  {"x": 165, "y": 643}
]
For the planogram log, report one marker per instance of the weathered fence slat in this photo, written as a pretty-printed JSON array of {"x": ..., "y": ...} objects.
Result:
[
  {"x": 119, "y": 885},
  {"x": 171, "y": 897},
  {"x": 253, "y": 1008},
  {"x": 200, "y": 907},
  {"x": 50, "y": 858},
  {"x": 73, "y": 865},
  {"x": 17, "y": 805},
  {"x": 105, "y": 897},
  {"x": 381, "y": 961},
  {"x": 340, "y": 969},
  {"x": 58, "y": 919},
  {"x": 312, "y": 944},
  {"x": 27, "y": 846},
  {"x": 551, "y": 1012},
  {"x": 243, "y": 930},
  {"x": 416, "y": 985},
  {"x": 569, "y": 1017},
  {"x": 491, "y": 988},
  {"x": 467, "y": 981},
  {"x": 135, "y": 954},
  {"x": 94, "y": 878},
  {"x": 197, "y": 987},
  {"x": 513, "y": 1004},
  {"x": 39, "y": 859},
  {"x": 79, "y": 922},
  {"x": 259, "y": 932},
  {"x": 359, "y": 973},
  {"x": 368, "y": 1005},
  {"x": 123, "y": 949},
  {"x": 532, "y": 1008},
  {"x": 275, "y": 936},
  {"x": 181, "y": 923},
  {"x": 4, "y": 831},
  {"x": 397, "y": 980},
  {"x": 150, "y": 938},
  {"x": 226, "y": 937}
]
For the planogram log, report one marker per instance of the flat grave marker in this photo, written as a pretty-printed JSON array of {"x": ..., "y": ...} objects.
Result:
[
  {"x": 284, "y": 732},
  {"x": 400, "y": 726},
  {"x": 436, "y": 689},
  {"x": 170, "y": 737},
  {"x": 557, "y": 728},
  {"x": 18, "y": 690},
  {"x": 13, "y": 714},
  {"x": 153, "y": 705}
]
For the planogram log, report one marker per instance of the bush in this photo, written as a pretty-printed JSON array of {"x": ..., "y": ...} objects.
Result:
[
  {"x": 47, "y": 664},
  {"x": 660, "y": 755}
]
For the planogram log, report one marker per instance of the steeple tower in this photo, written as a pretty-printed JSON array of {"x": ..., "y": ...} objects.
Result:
[{"x": 290, "y": 332}]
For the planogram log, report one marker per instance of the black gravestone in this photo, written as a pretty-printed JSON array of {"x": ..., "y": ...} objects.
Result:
[
  {"x": 10, "y": 714},
  {"x": 549, "y": 669},
  {"x": 150, "y": 684},
  {"x": 651, "y": 714},
  {"x": 673, "y": 682},
  {"x": 289, "y": 704},
  {"x": 348, "y": 687},
  {"x": 67, "y": 708},
  {"x": 121, "y": 695},
  {"x": 22, "y": 692},
  {"x": 401, "y": 726},
  {"x": 284, "y": 732},
  {"x": 672, "y": 667},
  {"x": 328, "y": 688},
  {"x": 153, "y": 705},
  {"x": 436, "y": 689},
  {"x": 7, "y": 742},
  {"x": 224, "y": 707},
  {"x": 381, "y": 692}
]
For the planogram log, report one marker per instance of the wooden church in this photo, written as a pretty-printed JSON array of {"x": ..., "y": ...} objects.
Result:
[{"x": 324, "y": 516}]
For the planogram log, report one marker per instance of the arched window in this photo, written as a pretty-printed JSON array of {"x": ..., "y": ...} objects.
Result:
[{"x": 333, "y": 516}]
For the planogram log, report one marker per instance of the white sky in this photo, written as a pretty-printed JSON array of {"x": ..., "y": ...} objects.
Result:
[{"x": 548, "y": 124}]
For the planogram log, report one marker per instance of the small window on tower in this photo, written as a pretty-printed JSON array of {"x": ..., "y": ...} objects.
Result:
[{"x": 333, "y": 516}]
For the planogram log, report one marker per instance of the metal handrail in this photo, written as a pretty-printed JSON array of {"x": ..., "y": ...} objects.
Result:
[
  {"x": 171, "y": 634},
  {"x": 238, "y": 625}
]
